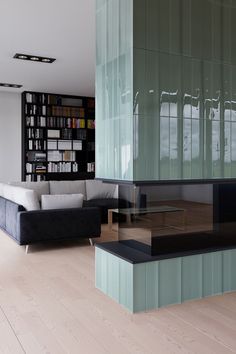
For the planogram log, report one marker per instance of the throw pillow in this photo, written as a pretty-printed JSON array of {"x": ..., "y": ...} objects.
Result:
[{"x": 62, "y": 201}]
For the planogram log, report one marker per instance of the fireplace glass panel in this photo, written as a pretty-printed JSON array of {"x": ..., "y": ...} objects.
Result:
[{"x": 166, "y": 219}]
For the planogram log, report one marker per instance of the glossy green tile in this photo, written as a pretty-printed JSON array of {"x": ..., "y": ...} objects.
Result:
[
  {"x": 113, "y": 277},
  {"x": 169, "y": 282},
  {"x": 139, "y": 287},
  {"x": 152, "y": 285},
  {"x": 229, "y": 275},
  {"x": 191, "y": 277},
  {"x": 146, "y": 150},
  {"x": 165, "y": 59},
  {"x": 212, "y": 274},
  {"x": 126, "y": 285},
  {"x": 139, "y": 23},
  {"x": 197, "y": 89},
  {"x": 146, "y": 286}
]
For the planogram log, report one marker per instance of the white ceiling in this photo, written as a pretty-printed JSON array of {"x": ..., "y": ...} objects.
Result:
[{"x": 62, "y": 29}]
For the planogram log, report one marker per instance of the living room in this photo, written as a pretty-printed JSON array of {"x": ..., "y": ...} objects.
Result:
[{"x": 117, "y": 176}]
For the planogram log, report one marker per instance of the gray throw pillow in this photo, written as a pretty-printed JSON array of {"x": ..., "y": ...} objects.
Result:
[{"x": 62, "y": 201}]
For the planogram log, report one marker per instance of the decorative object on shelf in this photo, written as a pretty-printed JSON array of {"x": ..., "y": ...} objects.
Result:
[{"x": 58, "y": 135}]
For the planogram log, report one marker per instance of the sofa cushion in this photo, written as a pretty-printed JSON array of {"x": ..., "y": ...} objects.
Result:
[
  {"x": 12, "y": 211},
  {"x": 22, "y": 196},
  {"x": 2, "y": 213},
  {"x": 67, "y": 187},
  {"x": 62, "y": 201},
  {"x": 99, "y": 190},
  {"x": 103, "y": 205},
  {"x": 40, "y": 188}
]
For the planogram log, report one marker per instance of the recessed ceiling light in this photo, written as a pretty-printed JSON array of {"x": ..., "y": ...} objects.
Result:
[
  {"x": 34, "y": 58},
  {"x": 22, "y": 57},
  {"x": 4, "y": 84}
]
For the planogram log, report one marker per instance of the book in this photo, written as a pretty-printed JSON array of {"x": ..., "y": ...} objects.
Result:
[
  {"x": 77, "y": 145},
  {"x": 52, "y": 144},
  {"x": 53, "y": 133},
  {"x": 64, "y": 144},
  {"x": 91, "y": 124}
]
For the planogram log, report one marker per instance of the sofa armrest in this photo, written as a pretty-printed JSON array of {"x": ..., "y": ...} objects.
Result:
[{"x": 41, "y": 225}]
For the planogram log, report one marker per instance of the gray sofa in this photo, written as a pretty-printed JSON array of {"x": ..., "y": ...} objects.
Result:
[{"x": 25, "y": 216}]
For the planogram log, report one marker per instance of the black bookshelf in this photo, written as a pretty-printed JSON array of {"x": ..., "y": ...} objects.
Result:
[{"x": 58, "y": 137}]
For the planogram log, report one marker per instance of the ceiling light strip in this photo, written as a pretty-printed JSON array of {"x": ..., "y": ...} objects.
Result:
[
  {"x": 7, "y": 85},
  {"x": 34, "y": 58}
]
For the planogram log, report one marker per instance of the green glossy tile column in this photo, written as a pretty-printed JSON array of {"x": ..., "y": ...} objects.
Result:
[
  {"x": 114, "y": 89},
  {"x": 166, "y": 89},
  {"x": 146, "y": 286}
]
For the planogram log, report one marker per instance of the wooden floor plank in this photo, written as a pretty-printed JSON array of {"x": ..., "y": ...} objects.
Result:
[
  {"x": 9, "y": 343},
  {"x": 50, "y": 305}
]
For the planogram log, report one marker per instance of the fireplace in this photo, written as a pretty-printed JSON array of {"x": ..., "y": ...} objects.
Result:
[{"x": 178, "y": 218}]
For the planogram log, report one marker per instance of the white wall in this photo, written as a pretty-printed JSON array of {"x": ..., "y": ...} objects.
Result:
[
  {"x": 10, "y": 136},
  {"x": 201, "y": 193},
  {"x": 159, "y": 193}
]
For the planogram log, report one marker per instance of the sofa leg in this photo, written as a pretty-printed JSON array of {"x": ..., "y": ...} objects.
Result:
[
  {"x": 91, "y": 242},
  {"x": 26, "y": 249}
]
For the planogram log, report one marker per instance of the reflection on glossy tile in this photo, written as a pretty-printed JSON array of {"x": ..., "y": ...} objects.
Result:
[
  {"x": 114, "y": 90},
  {"x": 166, "y": 89}
]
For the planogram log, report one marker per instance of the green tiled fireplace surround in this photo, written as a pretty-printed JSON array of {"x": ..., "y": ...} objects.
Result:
[
  {"x": 166, "y": 89},
  {"x": 146, "y": 286}
]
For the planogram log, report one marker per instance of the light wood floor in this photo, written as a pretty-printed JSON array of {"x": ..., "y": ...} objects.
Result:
[{"x": 48, "y": 304}]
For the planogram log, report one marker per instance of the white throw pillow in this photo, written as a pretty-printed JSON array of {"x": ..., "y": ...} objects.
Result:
[
  {"x": 1, "y": 189},
  {"x": 40, "y": 188},
  {"x": 22, "y": 196},
  {"x": 99, "y": 190},
  {"x": 67, "y": 187},
  {"x": 62, "y": 201}
]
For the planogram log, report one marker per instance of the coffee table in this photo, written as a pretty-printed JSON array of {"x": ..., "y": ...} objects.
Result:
[{"x": 138, "y": 213}]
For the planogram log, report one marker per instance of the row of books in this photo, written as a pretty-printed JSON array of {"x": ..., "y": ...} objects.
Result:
[
  {"x": 57, "y": 156},
  {"x": 62, "y": 167},
  {"x": 76, "y": 145},
  {"x": 35, "y": 168},
  {"x": 37, "y": 145},
  {"x": 34, "y": 109},
  {"x": 32, "y": 121},
  {"x": 59, "y": 111},
  {"x": 66, "y": 134},
  {"x": 91, "y": 167},
  {"x": 81, "y": 134},
  {"x": 91, "y": 124},
  {"x": 65, "y": 101},
  {"x": 54, "y": 99},
  {"x": 35, "y": 178},
  {"x": 35, "y": 133},
  {"x": 43, "y": 99},
  {"x": 36, "y": 98},
  {"x": 53, "y": 122},
  {"x": 36, "y": 156},
  {"x": 52, "y": 167},
  {"x": 62, "y": 122}
]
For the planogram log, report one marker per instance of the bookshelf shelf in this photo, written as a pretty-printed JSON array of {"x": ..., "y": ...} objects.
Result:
[{"x": 58, "y": 134}]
